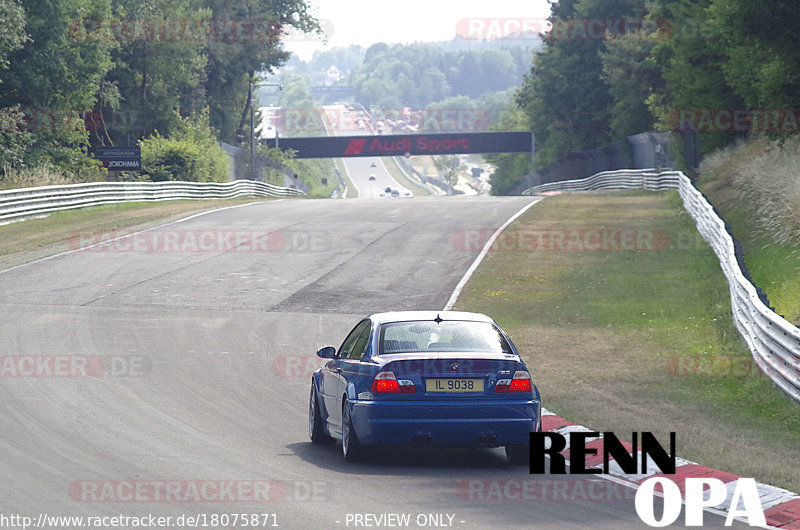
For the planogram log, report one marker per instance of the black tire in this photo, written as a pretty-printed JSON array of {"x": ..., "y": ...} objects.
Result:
[
  {"x": 351, "y": 448},
  {"x": 315, "y": 429},
  {"x": 518, "y": 454}
]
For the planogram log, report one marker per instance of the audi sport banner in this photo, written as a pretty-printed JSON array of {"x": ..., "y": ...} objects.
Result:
[{"x": 407, "y": 144}]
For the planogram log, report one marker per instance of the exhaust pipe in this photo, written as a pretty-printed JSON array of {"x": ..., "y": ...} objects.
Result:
[
  {"x": 486, "y": 440},
  {"x": 423, "y": 439}
]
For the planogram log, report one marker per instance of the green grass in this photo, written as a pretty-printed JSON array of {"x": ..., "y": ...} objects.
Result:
[
  {"x": 346, "y": 182},
  {"x": 756, "y": 189},
  {"x": 774, "y": 267},
  {"x": 603, "y": 331},
  {"x": 312, "y": 171}
]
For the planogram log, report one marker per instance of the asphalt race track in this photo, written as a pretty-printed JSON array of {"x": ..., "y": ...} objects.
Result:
[
  {"x": 359, "y": 169},
  {"x": 205, "y": 332}
]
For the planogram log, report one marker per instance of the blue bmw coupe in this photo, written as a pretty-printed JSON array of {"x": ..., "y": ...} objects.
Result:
[{"x": 424, "y": 378}]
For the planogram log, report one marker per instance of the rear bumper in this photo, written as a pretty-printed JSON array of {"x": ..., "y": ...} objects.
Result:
[{"x": 472, "y": 423}]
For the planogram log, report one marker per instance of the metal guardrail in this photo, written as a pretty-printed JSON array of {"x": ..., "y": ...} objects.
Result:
[
  {"x": 773, "y": 341},
  {"x": 24, "y": 203}
]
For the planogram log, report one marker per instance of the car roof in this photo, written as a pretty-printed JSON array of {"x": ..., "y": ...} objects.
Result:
[{"x": 408, "y": 316}]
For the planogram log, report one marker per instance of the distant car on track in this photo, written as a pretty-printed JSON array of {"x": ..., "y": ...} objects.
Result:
[
  {"x": 372, "y": 177},
  {"x": 395, "y": 193},
  {"x": 450, "y": 379},
  {"x": 374, "y": 164}
]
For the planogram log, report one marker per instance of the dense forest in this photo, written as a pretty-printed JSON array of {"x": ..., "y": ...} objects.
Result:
[
  {"x": 456, "y": 75},
  {"x": 173, "y": 75},
  {"x": 656, "y": 63},
  {"x": 418, "y": 75},
  {"x": 76, "y": 74}
]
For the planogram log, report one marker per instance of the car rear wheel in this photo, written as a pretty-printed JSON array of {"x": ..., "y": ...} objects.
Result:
[
  {"x": 351, "y": 448},
  {"x": 518, "y": 455},
  {"x": 315, "y": 430}
]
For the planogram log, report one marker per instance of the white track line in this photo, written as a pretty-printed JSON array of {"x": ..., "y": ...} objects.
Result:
[
  {"x": 66, "y": 252},
  {"x": 484, "y": 251}
]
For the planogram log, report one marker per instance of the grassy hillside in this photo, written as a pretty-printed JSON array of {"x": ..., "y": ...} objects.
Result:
[
  {"x": 755, "y": 186},
  {"x": 623, "y": 315}
]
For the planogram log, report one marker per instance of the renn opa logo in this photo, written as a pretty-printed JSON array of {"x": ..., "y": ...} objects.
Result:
[{"x": 632, "y": 459}]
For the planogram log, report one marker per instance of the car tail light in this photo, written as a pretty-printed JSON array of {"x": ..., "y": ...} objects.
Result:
[
  {"x": 387, "y": 382},
  {"x": 521, "y": 382}
]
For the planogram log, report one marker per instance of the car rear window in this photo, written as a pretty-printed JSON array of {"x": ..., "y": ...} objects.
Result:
[{"x": 445, "y": 336}]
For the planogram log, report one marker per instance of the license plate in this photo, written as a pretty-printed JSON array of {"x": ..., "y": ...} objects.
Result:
[{"x": 452, "y": 384}]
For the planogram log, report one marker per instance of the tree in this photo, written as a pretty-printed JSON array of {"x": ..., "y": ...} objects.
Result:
[
  {"x": 691, "y": 58},
  {"x": 233, "y": 64},
  {"x": 123, "y": 69},
  {"x": 343, "y": 58},
  {"x": 12, "y": 30},
  {"x": 495, "y": 104},
  {"x": 191, "y": 153},
  {"x": 215, "y": 50},
  {"x": 15, "y": 140},
  {"x": 433, "y": 86},
  {"x": 761, "y": 50},
  {"x": 420, "y": 74},
  {"x": 449, "y": 167},
  {"x": 375, "y": 52},
  {"x": 509, "y": 167},
  {"x": 156, "y": 73},
  {"x": 564, "y": 93},
  {"x": 53, "y": 78},
  {"x": 632, "y": 76}
]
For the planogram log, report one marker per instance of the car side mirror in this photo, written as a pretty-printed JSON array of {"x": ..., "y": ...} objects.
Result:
[{"x": 328, "y": 352}]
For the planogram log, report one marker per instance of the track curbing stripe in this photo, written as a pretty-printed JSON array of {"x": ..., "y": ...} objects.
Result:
[{"x": 781, "y": 506}]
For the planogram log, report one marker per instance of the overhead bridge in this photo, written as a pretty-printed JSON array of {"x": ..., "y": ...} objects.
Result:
[{"x": 408, "y": 144}]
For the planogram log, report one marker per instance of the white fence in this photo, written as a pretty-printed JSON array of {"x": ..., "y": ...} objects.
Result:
[
  {"x": 773, "y": 341},
  {"x": 25, "y": 203}
]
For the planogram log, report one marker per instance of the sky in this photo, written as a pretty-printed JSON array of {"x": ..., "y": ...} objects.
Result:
[{"x": 403, "y": 21}]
